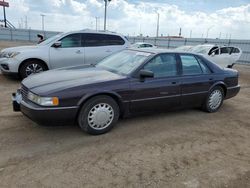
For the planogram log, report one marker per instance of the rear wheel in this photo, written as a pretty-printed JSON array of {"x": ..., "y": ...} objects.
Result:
[
  {"x": 31, "y": 67},
  {"x": 214, "y": 99},
  {"x": 98, "y": 115}
]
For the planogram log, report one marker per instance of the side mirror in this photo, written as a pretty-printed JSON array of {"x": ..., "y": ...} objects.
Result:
[
  {"x": 57, "y": 44},
  {"x": 146, "y": 74}
]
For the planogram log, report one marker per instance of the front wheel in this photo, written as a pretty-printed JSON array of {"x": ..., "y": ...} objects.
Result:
[
  {"x": 31, "y": 67},
  {"x": 214, "y": 100},
  {"x": 98, "y": 115}
]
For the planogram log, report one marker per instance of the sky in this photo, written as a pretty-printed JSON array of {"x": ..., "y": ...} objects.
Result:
[{"x": 196, "y": 18}]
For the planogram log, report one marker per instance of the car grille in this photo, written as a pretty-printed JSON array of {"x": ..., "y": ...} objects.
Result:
[{"x": 24, "y": 93}]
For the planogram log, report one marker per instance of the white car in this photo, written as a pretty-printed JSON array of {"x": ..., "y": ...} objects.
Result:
[
  {"x": 62, "y": 50},
  {"x": 225, "y": 56},
  {"x": 142, "y": 45},
  {"x": 184, "y": 48}
]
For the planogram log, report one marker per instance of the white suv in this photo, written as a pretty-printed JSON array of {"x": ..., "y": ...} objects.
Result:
[{"x": 62, "y": 50}]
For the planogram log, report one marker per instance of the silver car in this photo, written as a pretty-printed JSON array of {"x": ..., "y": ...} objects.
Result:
[{"x": 62, "y": 50}]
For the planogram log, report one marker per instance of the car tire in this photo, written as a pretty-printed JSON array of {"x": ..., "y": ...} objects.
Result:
[
  {"x": 214, "y": 100},
  {"x": 98, "y": 115},
  {"x": 31, "y": 67}
]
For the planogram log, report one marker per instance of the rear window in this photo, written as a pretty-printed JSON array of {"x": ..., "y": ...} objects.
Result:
[
  {"x": 236, "y": 50},
  {"x": 101, "y": 40}
]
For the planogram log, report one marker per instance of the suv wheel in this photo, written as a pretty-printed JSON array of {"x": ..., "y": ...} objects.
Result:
[
  {"x": 31, "y": 67},
  {"x": 98, "y": 115}
]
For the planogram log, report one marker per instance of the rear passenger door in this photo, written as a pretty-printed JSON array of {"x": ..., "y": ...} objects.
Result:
[
  {"x": 196, "y": 80},
  {"x": 98, "y": 46}
]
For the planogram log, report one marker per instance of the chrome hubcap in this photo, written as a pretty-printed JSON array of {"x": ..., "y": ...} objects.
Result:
[
  {"x": 215, "y": 99},
  {"x": 33, "y": 69},
  {"x": 100, "y": 116}
]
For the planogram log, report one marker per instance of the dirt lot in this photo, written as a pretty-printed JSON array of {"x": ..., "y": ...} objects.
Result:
[{"x": 188, "y": 148}]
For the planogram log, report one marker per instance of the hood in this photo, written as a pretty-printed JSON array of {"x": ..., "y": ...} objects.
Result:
[
  {"x": 20, "y": 48},
  {"x": 65, "y": 78}
]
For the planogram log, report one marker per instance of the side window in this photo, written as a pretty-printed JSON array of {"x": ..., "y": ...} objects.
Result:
[
  {"x": 163, "y": 65},
  {"x": 93, "y": 39},
  {"x": 114, "y": 40},
  {"x": 190, "y": 66},
  {"x": 71, "y": 41},
  {"x": 148, "y": 45},
  {"x": 224, "y": 50}
]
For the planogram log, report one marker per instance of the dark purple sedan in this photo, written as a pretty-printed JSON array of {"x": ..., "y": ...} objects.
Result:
[{"x": 125, "y": 83}]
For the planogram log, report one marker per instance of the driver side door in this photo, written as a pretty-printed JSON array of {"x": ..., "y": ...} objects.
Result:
[
  {"x": 160, "y": 92},
  {"x": 70, "y": 53}
]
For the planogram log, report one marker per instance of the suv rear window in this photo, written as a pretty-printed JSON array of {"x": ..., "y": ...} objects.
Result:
[{"x": 93, "y": 39}]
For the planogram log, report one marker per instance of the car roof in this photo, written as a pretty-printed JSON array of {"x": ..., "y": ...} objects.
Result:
[
  {"x": 142, "y": 43},
  {"x": 161, "y": 50},
  {"x": 94, "y": 31}
]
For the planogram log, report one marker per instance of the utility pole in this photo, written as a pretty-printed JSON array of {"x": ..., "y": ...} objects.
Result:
[
  {"x": 157, "y": 28},
  {"x": 96, "y": 23},
  {"x": 4, "y": 15},
  {"x": 105, "y": 13},
  {"x": 190, "y": 34},
  {"x": 26, "y": 22},
  {"x": 180, "y": 32},
  {"x": 208, "y": 29},
  {"x": 43, "y": 15}
]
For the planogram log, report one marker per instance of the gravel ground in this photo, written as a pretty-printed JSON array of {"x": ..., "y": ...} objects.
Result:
[{"x": 187, "y": 148}]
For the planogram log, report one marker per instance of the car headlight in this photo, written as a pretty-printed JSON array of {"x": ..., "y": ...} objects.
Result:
[
  {"x": 43, "y": 101},
  {"x": 9, "y": 54}
]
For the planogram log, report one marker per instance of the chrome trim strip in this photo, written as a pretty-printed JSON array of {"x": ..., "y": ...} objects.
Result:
[
  {"x": 234, "y": 87},
  {"x": 46, "y": 108},
  {"x": 153, "y": 98},
  {"x": 201, "y": 92}
]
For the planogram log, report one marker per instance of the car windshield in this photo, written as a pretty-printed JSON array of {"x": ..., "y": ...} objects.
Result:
[
  {"x": 124, "y": 62},
  {"x": 201, "y": 49},
  {"x": 49, "y": 40}
]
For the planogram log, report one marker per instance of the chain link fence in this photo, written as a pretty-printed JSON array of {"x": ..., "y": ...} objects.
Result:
[
  {"x": 176, "y": 42},
  {"x": 24, "y": 34},
  {"x": 31, "y": 36}
]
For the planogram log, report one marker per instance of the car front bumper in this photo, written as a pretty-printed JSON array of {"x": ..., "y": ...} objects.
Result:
[
  {"x": 9, "y": 65},
  {"x": 44, "y": 115}
]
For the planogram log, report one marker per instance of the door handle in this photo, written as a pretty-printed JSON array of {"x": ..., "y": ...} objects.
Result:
[
  {"x": 108, "y": 51},
  {"x": 173, "y": 83},
  {"x": 78, "y": 51},
  {"x": 211, "y": 79}
]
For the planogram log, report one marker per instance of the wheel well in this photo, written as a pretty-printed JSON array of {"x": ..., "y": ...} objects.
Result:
[
  {"x": 224, "y": 89},
  {"x": 113, "y": 96},
  {"x": 32, "y": 59}
]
